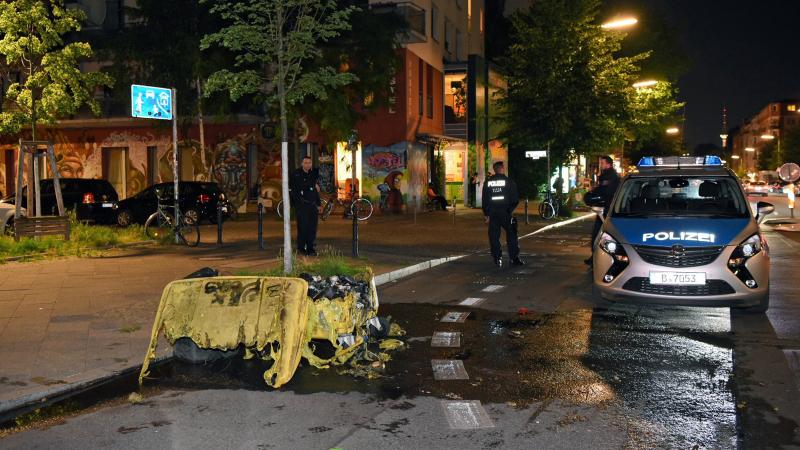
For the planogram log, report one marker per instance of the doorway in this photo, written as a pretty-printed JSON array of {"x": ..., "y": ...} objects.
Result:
[{"x": 115, "y": 169}]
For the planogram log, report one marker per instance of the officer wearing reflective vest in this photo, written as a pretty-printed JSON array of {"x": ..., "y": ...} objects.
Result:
[{"x": 500, "y": 199}]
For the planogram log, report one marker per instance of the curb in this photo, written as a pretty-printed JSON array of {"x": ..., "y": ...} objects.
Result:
[
  {"x": 14, "y": 408},
  {"x": 411, "y": 270}
]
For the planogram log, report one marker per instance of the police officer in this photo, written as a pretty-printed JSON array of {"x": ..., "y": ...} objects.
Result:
[
  {"x": 607, "y": 184},
  {"x": 304, "y": 191},
  {"x": 500, "y": 199}
]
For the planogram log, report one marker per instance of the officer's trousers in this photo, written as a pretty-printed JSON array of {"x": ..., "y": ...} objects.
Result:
[
  {"x": 498, "y": 221},
  {"x": 307, "y": 219}
]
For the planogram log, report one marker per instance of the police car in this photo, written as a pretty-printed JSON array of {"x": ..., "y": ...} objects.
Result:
[{"x": 681, "y": 231}]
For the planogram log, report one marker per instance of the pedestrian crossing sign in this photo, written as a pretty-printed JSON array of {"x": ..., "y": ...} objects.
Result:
[{"x": 149, "y": 102}]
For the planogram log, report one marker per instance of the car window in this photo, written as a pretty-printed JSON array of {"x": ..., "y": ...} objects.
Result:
[{"x": 680, "y": 196}]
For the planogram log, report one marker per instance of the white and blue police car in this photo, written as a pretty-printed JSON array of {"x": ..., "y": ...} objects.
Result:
[{"x": 680, "y": 230}]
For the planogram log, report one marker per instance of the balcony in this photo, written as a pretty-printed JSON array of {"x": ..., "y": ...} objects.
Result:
[{"x": 414, "y": 17}]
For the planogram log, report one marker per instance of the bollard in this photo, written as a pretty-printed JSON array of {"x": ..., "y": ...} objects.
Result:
[
  {"x": 355, "y": 232},
  {"x": 260, "y": 226},
  {"x": 454, "y": 211},
  {"x": 416, "y": 206},
  {"x": 219, "y": 223},
  {"x": 527, "y": 220}
]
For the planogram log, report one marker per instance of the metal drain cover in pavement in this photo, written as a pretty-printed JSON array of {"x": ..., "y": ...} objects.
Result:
[
  {"x": 455, "y": 317},
  {"x": 493, "y": 288},
  {"x": 466, "y": 415},
  {"x": 472, "y": 301},
  {"x": 446, "y": 339},
  {"x": 449, "y": 369}
]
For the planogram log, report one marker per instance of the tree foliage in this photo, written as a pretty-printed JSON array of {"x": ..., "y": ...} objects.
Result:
[
  {"x": 790, "y": 145},
  {"x": 569, "y": 84},
  {"x": 369, "y": 51},
  {"x": 272, "y": 42},
  {"x": 45, "y": 78}
]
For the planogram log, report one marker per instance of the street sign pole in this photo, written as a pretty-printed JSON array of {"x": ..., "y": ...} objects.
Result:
[{"x": 175, "y": 171}]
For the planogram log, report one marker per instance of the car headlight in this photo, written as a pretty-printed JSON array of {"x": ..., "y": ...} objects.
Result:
[
  {"x": 750, "y": 247},
  {"x": 611, "y": 246}
]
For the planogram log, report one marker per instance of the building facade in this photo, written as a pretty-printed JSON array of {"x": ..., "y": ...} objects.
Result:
[
  {"x": 441, "y": 109},
  {"x": 767, "y": 126}
]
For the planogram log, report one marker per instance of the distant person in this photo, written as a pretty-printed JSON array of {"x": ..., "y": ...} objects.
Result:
[
  {"x": 304, "y": 191},
  {"x": 607, "y": 184},
  {"x": 474, "y": 181},
  {"x": 435, "y": 198},
  {"x": 500, "y": 199}
]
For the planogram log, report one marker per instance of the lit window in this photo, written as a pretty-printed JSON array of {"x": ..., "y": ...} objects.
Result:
[
  {"x": 481, "y": 17},
  {"x": 791, "y": 107}
]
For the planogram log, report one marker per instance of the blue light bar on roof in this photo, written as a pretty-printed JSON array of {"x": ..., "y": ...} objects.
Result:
[{"x": 680, "y": 161}]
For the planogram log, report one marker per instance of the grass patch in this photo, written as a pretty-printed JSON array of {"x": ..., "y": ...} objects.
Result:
[
  {"x": 83, "y": 239},
  {"x": 328, "y": 263}
]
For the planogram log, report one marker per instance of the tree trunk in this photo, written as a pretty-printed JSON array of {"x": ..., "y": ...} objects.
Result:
[{"x": 287, "y": 230}]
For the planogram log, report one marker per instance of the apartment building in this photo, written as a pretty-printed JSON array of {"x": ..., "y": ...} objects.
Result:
[{"x": 769, "y": 125}]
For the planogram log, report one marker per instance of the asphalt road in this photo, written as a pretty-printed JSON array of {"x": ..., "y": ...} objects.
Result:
[{"x": 571, "y": 373}]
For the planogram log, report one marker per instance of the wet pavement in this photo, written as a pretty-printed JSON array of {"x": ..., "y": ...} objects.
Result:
[{"x": 549, "y": 366}]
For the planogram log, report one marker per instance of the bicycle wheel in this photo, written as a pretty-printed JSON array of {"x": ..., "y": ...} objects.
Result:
[
  {"x": 362, "y": 208},
  {"x": 546, "y": 210},
  {"x": 279, "y": 209},
  {"x": 328, "y": 209},
  {"x": 188, "y": 234},
  {"x": 322, "y": 205},
  {"x": 158, "y": 226}
]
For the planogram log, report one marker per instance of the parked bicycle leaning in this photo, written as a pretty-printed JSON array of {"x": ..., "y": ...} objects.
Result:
[{"x": 162, "y": 223}]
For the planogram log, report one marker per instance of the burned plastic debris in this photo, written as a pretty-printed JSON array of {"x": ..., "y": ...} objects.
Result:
[{"x": 327, "y": 321}]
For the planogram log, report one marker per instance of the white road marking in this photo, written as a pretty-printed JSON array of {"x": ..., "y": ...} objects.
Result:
[
  {"x": 449, "y": 369},
  {"x": 455, "y": 317},
  {"x": 558, "y": 224},
  {"x": 446, "y": 339},
  {"x": 466, "y": 414},
  {"x": 472, "y": 301},
  {"x": 493, "y": 288}
]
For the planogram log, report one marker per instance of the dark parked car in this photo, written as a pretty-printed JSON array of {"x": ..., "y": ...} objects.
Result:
[
  {"x": 93, "y": 200},
  {"x": 198, "y": 202}
]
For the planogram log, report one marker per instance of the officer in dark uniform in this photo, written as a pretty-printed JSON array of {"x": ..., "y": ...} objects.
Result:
[
  {"x": 304, "y": 191},
  {"x": 607, "y": 184},
  {"x": 500, "y": 199}
]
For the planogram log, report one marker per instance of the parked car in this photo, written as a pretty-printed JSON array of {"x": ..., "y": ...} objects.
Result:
[
  {"x": 7, "y": 219},
  {"x": 757, "y": 188},
  {"x": 780, "y": 187},
  {"x": 198, "y": 202},
  {"x": 92, "y": 200}
]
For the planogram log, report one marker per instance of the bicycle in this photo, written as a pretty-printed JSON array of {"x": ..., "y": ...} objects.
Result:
[
  {"x": 361, "y": 207},
  {"x": 161, "y": 223},
  {"x": 279, "y": 208},
  {"x": 548, "y": 208}
]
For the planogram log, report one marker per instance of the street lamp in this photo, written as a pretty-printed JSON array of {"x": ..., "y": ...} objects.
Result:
[
  {"x": 645, "y": 84},
  {"x": 767, "y": 137},
  {"x": 673, "y": 130},
  {"x": 623, "y": 22}
]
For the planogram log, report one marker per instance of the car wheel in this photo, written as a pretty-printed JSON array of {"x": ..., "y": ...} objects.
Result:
[
  {"x": 8, "y": 229},
  {"x": 191, "y": 217},
  {"x": 124, "y": 218}
]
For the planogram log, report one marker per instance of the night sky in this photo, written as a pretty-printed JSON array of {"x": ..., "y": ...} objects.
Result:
[{"x": 742, "y": 54}]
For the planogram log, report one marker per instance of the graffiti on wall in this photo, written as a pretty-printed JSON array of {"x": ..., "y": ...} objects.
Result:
[{"x": 379, "y": 164}]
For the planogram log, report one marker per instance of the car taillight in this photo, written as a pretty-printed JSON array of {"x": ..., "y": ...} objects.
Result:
[
  {"x": 88, "y": 197},
  {"x": 204, "y": 198}
]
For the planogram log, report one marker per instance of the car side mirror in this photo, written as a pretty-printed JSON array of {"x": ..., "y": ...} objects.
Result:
[
  {"x": 763, "y": 210},
  {"x": 594, "y": 200},
  {"x": 599, "y": 211}
]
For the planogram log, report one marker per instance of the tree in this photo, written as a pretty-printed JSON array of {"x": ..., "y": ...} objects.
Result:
[
  {"x": 273, "y": 40},
  {"x": 369, "y": 51},
  {"x": 566, "y": 87},
  {"x": 790, "y": 145},
  {"x": 46, "y": 81},
  {"x": 768, "y": 157}
]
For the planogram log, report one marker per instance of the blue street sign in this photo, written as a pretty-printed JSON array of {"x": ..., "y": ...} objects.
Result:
[{"x": 149, "y": 102}]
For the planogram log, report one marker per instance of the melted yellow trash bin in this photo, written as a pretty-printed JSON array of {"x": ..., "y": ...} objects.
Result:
[{"x": 270, "y": 315}]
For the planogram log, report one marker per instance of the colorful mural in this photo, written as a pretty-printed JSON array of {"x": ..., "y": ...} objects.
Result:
[
  {"x": 385, "y": 166},
  {"x": 79, "y": 153}
]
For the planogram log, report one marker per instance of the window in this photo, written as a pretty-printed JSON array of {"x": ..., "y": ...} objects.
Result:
[
  {"x": 717, "y": 197},
  {"x": 481, "y": 19},
  {"x": 774, "y": 108},
  {"x": 435, "y": 22},
  {"x": 420, "y": 81},
  {"x": 792, "y": 108},
  {"x": 459, "y": 45},
  {"x": 448, "y": 31},
  {"x": 430, "y": 91}
]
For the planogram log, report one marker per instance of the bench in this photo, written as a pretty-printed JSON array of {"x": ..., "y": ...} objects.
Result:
[{"x": 41, "y": 226}]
